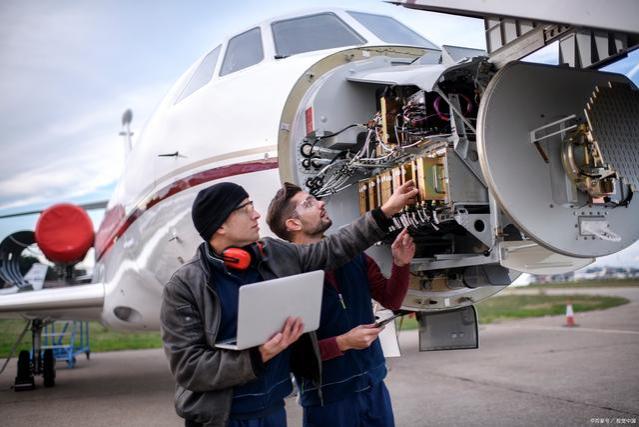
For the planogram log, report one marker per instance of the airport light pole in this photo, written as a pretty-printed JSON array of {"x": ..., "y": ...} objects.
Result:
[{"x": 127, "y": 118}]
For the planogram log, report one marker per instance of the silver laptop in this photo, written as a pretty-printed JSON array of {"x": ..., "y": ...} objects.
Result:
[{"x": 264, "y": 307}]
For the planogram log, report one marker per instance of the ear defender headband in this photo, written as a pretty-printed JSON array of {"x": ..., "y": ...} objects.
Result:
[{"x": 243, "y": 258}]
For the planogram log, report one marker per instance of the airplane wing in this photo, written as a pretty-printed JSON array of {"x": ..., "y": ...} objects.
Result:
[
  {"x": 87, "y": 206},
  {"x": 22, "y": 297},
  {"x": 81, "y": 302}
]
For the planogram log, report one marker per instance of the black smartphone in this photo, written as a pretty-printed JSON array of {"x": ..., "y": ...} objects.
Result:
[{"x": 386, "y": 321}]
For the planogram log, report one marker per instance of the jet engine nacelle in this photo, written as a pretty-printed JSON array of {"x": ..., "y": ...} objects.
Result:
[{"x": 64, "y": 233}]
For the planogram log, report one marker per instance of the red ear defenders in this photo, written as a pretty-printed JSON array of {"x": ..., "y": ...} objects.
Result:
[{"x": 243, "y": 258}]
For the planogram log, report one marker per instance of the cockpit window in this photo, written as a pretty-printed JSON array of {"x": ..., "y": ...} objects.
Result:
[
  {"x": 243, "y": 51},
  {"x": 202, "y": 74},
  {"x": 390, "y": 30},
  {"x": 312, "y": 32}
]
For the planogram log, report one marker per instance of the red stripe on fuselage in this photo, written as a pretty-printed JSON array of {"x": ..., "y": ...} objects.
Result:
[{"x": 103, "y": 246}]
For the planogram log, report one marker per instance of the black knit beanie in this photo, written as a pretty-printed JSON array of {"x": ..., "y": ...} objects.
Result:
[{"x": 213, "y": 205}]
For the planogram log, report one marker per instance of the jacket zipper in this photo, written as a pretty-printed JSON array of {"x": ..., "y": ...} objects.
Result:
[{"x": 341, "y": 300}]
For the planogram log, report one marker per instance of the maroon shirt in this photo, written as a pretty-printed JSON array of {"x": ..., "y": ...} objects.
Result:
[{"x": 388, "y": 292}]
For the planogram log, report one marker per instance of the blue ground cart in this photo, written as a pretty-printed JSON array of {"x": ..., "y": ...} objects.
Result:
[{"x": 67, "y": 339}]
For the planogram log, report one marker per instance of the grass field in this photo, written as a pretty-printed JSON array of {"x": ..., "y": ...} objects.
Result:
[
  {"x": 509, "y": 307},
  {"x": 491, "y": 310},
  {"x": 101, "y": 339},
  {"x": 608, "y": 283}
]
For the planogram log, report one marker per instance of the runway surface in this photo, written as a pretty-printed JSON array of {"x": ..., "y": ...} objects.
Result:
[{"x": 528, "y": 372}]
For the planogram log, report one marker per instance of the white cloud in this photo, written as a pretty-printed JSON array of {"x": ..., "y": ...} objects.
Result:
[
  {"x": 545, "y": 55},
  {"x": 66, "y": 73},
  {"x": 628, "y": 257},
  {"x": 30, "y": 30},
  {"x": 73, "y": 158}
]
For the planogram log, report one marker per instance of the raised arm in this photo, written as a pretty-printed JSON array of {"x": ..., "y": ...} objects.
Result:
[
  {"x": 339, "y": 248},
  {"x": 391, "y": 292}
]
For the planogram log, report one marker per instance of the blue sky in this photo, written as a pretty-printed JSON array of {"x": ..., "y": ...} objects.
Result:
[{"x": 69, "y": 69}]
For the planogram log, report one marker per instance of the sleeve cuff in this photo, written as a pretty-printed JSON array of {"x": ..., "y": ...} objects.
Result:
[
  {"x": 381, "y": 220},
  {"x": 397, "y": 270},
  {"x": 256, "y": 361},
  {"x": 329, "y": 348}
]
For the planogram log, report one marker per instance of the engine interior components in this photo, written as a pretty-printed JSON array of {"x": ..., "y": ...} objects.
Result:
[
  {"x": 589, "y": 171},
  {"x": 585, "y": 165},
  {"x": 501, "y": 159}
]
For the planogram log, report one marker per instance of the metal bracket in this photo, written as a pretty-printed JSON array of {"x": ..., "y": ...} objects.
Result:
[
  {"x": 549, "y": 130},
  {"x": 477, "y": 224},
  {"x": 452, "y": 261}
]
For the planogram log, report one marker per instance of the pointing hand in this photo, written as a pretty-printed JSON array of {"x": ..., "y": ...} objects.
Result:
[{"x": 403, "y": 249}]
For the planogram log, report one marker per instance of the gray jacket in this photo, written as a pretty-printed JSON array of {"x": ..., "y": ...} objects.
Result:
[{"x": 190, "y": 319}]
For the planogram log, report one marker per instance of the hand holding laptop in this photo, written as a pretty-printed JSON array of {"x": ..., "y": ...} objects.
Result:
[
  {"x": 263, "y": 307},
  {"x": 291, "y": 331}
]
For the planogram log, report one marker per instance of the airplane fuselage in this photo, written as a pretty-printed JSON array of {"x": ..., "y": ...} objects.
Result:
[{"x": 226, "y": 130}]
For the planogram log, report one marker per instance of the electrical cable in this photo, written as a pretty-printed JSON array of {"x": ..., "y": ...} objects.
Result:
[
  {"x": 15, "y": 346},
  {"x": 339, "y": 131}
]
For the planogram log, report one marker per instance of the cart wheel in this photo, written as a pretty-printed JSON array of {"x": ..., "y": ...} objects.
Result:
[
  {"x": 88, "y": 353},
  {"x": 24, "y": 364},
  {"x": 48, "y": 368}
]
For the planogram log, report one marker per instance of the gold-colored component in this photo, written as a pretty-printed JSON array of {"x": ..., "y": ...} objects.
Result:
[
  {"x": 430, "y": 174},
  {"x": 426, "y": 172},
  {"x": 373, "y": 199},
  {"x": 439, "y": 284},
  {"x": 397, "y": 177},
  {"x": 389, "y": 109},
  {"x": 415, "y": 178},
  {"x": 385, "y": 186},
  {"x": 607, "y": 186},
  {"x": 436, "y": 284},
  {"x": 407, "y": 169},
  {"x": 415, "y": 282},
  {"x": 584, "y": 164},
  {"x": 362, "y": 189}
]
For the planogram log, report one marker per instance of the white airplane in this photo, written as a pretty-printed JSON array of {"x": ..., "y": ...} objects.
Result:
[{"x": 521, "y": 167}]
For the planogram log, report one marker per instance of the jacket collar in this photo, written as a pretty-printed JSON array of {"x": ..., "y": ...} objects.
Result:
[{"x": 211, "y": 262}]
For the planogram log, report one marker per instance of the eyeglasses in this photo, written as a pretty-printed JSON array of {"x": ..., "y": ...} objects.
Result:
[
  {"x": 308, "y": 203},
  {"x": 246, "y": 208}
]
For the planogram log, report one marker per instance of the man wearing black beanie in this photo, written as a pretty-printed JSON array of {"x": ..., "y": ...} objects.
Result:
[
  {"x": 218, "y": 387},
  {"x": 213, "y": 205}
]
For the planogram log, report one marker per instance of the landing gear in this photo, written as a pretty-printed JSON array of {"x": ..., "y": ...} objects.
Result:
[
  {"x": 48, "y": 368},
  {"x": 24, "y": 379},
  {"x": 35, "y": 363}
]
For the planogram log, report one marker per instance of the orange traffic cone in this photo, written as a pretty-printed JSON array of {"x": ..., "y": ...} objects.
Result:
[{"x": 570, "y": 316}]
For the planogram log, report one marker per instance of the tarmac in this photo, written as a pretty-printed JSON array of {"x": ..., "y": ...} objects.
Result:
[{"x": 527, "y": 372}]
